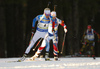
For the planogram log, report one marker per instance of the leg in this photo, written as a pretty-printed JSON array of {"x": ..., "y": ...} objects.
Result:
[
  {"x": 47, "y": 50},
  {"x": 47, "y": 46},
  {"x": 36, "y": 36},
  {"x": 82, "y": 49},
  {"x": 55, "y": 47},
  {"x": 93, "y": 50},
  {"x": 33, "y": 41},
  {"x": 39, "y": 50}
]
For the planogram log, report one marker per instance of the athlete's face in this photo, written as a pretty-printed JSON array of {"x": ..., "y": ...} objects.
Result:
[
  {"x": 89, "y": 29},
  {"x": 54, "y": 17},
  {"x": 47, "y": 16}
]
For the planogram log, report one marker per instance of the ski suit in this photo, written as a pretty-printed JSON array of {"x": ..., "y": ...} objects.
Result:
[
  {"x": 42, "y": 29},
  {"x": 89, "y": 42},
  {"x": 51, "y": 35}
]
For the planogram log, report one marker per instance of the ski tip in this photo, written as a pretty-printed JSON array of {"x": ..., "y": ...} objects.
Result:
[
  {"x": 19, "y": 61},
  {"x": 11, "y": 61}
]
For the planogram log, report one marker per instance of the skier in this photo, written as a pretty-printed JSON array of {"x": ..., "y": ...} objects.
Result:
[
  {"x": 42, "y": 29},
  {"x": 51, "y": 35},
  {"x": 89, "y": 41}
]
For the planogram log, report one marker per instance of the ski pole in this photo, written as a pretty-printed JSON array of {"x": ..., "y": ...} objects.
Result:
[
  {"x": 63, "y": 44},
  {"x": 31, "y": 38},
  {"x": 55, "y": 7},
  {"x": 48, "y": 4},
  {"x": 37, "y": 44}
]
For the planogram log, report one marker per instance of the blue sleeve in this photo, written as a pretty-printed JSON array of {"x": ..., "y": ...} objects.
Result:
[{"x": 34, "y": 21}]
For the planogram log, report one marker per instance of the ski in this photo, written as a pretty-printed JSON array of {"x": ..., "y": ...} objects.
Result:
[
  {"x": 15, "y": 61},
  {"x": 48, "y": 60},
  {"x": 27, "y": 60},
  {"x": 11, "y": 61},
  {"x": 52, "y": 60},
  {"x": 41, "y": 60}
]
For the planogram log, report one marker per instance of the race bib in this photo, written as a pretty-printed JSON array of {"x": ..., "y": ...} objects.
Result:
[
  {"x": 42, "y": 26},
  {"x": 90, "y": 37}
]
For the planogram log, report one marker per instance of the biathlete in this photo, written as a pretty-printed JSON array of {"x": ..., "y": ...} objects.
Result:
[
  {"x": 88, "y": 41},
  {"x": 51, "y": 35},
  {"x": 41, "y": 31}
]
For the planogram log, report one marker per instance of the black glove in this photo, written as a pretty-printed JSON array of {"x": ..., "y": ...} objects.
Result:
[
  {"x": 33, "y": 29},
  {"x": 53, "y": 30}
]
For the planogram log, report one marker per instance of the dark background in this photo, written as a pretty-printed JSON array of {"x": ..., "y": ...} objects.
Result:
[{"x": 16, "y": 23}]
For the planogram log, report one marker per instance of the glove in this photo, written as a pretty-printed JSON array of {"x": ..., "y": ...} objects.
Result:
[
  {"x": 85, "y": 43},
  {"x": 98, "y": 38},
  {"x": 65, "y": 30},
  {"x": 53, "y": 30}
]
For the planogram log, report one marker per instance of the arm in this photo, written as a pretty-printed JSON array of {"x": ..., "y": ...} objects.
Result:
[
  {"x": 63, "y": 25},
  {"x": 83, "y": 37},
  {"x": 97, "y": 35},
  {"x": 34, "y": 22}
]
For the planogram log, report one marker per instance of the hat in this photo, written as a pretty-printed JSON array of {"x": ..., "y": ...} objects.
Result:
[
  {"x": 53, "y": 14},
  {"x": 47, "y": 11},
  {"x": 89, "y": 26}
]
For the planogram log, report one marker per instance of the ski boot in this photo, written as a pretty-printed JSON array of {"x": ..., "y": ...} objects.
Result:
[
  {"x": 23, "y": 58},
  {"x": 47, "y": 57},
  {"x": 93, "y": 56},
  {"x": 33, "y": 57},
  {"x": 56, "y": 58}
]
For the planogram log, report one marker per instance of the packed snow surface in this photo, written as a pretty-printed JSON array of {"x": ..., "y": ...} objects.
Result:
[{"x": 63, "y": 63}]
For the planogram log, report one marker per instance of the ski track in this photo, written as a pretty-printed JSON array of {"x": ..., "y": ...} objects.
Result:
[{"x": 40, "y": 63}]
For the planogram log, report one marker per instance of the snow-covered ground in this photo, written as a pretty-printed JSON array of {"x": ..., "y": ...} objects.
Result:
[{"x": 64, "y": 63}]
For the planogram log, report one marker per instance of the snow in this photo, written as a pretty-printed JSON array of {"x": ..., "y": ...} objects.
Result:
[{"x": 40, "y": 63}]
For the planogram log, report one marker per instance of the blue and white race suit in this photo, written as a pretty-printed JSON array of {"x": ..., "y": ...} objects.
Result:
[{"x": 42, "y": 29}]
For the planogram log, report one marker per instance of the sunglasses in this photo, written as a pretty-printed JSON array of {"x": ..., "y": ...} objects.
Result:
[{"x": 47, "y": 14}]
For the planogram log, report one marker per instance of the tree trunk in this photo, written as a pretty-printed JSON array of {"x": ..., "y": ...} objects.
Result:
[
  {"x": 3, "y": 51},
  {"x": 75, "y": 19}
]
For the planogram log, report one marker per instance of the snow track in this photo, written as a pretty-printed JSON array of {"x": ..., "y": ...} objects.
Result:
[{"x": 64, "y": 63}]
